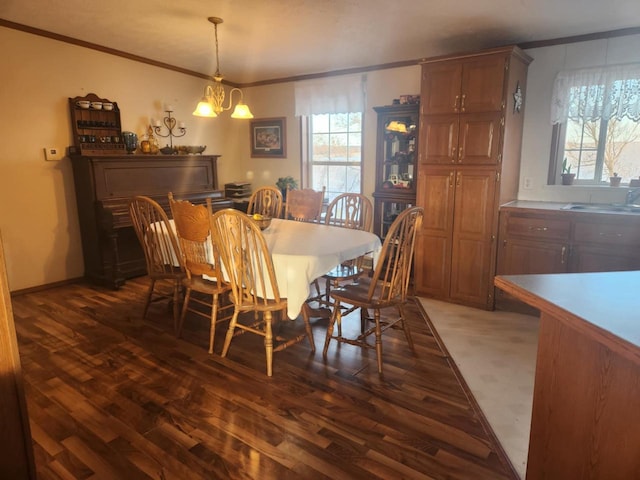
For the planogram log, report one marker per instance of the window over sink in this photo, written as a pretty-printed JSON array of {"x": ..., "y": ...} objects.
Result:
[{"x": 596, "y": 116}]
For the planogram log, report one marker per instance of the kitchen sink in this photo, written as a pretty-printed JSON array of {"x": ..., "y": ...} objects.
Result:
[{"x": 603, "y": 207}]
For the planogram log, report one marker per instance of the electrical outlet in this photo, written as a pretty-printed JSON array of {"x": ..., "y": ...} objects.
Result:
[
  {"x": 528, "y": 183},
  {"x": 53, "y": 154}
]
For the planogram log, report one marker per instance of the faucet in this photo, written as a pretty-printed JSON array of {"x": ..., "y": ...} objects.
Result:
[{"x": 633, "y": 194}]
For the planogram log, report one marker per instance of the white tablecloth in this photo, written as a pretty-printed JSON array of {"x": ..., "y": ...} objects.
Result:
[{"x": 302, "y": 252}]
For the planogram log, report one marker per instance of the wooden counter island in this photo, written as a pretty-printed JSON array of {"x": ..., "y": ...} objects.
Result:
[{"x": 586, "y": 404}]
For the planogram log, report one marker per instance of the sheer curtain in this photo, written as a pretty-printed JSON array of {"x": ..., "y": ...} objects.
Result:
[
  {"x": 595, "y": 93},
  {"x": 331, "y": 95}
]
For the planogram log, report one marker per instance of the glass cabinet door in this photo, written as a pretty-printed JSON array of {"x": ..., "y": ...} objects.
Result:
[
  {"x": 386, "y": 212},
  {"x": 397, "y": 147},
  {"x": 396, "y": 163}
]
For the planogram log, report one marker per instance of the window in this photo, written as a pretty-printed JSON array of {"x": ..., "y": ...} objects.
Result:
[
  {"x": 596, "y": 112},
  {"x": 597, "y": 149},
  {"x": 335, "y": 153}
]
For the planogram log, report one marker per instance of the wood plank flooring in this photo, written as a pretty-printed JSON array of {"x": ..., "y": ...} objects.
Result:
[{"x": 113, "y": 397}]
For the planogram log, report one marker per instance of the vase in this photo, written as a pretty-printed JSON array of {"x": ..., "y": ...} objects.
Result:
[
  {"x": 615, "y": 181},
  {"x": 130, "y": 141},
  {"x": 567, "y": 178}
]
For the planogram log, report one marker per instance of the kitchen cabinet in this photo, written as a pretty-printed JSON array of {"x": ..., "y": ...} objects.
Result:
[
  {"x": 472, "y": 139},
  {"x": 464, "y": 84},
  {"x": 455, "y": 240},
  {"x": 538, "y": 241},
  {"x": 468, "y": 164},
  {"x": 396, "y": 153},
  {"x": 605, "y": 242},
  {"x": 585, "y": 416},
  {"x": 533, "y": 243}
]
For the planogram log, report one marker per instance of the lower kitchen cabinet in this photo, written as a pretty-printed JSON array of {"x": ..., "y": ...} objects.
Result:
[
  {"x": 533, "y": 243},
  {"x": 559, "y": 241},
  {"x": 453, "y": 259}
]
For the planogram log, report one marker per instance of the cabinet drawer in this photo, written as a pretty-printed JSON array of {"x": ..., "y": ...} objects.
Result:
[
  {"x": 538, "y": 227},
  {"x": 607, "y": 233}
]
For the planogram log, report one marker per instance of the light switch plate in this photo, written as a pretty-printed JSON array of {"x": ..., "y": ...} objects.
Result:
[{"x": 53, "y": 154}]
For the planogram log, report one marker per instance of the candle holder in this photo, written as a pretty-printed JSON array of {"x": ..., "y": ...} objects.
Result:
[{"x": 170, "y": 124}]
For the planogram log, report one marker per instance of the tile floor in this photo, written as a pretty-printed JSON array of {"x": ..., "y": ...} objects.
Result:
[{"x": 496, "y": 353}]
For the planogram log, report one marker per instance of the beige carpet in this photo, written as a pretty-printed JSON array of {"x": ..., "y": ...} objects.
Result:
[{"x": 495, "y": 353}]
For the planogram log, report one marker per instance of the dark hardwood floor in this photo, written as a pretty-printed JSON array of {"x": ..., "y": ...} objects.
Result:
[{"x": 112, "y": 397}]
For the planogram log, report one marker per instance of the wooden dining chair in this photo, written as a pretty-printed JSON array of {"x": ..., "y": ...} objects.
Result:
[
  {"x": 304, "y": 205},
  {"x": 266, "y": 201},
  {"x": 347, "y": 210},
  {"x": 161, "y": 252},
  {"x": 386, "y": 288},
  {"x": 254, "y": 287},
  {"x": 201, "y": 263}
]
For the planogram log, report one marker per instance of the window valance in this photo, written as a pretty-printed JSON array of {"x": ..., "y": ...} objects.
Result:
[
  {"x": 595, "y": 93},
  {"x": 331, "y": 95}
]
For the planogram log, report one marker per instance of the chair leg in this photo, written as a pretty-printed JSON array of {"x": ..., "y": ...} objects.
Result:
[
  {"x": 376, "y": 314},
  {"x": 232, "y": 327},
  {"x": 176, "y": 308},
  {"x": 307, "y": 325},
  {"x": 327, "y": 292},
  {"x": 214, "y": 316},
  {"x": 405, "y": 326},
  {"x": 332, "y": 321},
  {"x": 149, "y": 295},
  {"x": 268, "y": 342},
  {"x": 185, "y": 305},
  {"x": 364, "y": 315}
]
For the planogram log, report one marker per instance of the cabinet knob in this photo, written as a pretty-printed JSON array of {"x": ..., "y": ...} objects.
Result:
[
  {"x": 538, "y": 229},
  {"x": 455, "y": 103},
  {"x": 451, "y": 179},
  {"x": 462, "y": 103}
]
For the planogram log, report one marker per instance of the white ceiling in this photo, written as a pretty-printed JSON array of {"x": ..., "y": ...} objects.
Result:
[{"x": 270, "y": 39}]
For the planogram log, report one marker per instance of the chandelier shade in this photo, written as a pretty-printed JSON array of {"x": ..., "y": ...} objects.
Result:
[{"x": 212, "y": 103}]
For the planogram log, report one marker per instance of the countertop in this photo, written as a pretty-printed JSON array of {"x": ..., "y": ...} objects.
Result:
[
  {"x": 608, "y": 302},
  {"x": 520, "y": 205}
]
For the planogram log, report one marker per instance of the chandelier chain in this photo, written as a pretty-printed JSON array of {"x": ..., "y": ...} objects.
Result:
[{"x": 215, "y": 25}]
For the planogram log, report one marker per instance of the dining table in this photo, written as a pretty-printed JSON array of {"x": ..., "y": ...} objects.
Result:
[{"x": 304, "y": 251}]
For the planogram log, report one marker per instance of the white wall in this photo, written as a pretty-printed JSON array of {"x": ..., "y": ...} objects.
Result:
[
  {"x": 536, "y": 142},
  {"x": 38, "y": 217},
  {"x": 278, "y": 100}
]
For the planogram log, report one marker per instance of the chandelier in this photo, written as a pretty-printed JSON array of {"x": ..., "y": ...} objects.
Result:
[{"x": 211, "y": 104}]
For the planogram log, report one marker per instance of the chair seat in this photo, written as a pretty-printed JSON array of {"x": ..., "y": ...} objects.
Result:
[
  {"x": 203, "y": 285},
  {"x": 357, "y": 294}
]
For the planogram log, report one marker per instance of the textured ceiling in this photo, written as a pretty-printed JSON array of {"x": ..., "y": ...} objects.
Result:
[{"x": 270, "y": 39}]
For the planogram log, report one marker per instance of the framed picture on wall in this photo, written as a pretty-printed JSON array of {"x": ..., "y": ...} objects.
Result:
[{"x": 268, "y": 137}]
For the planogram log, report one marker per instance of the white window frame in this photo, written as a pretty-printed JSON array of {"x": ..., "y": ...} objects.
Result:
[{"x": 307, "y": 155}]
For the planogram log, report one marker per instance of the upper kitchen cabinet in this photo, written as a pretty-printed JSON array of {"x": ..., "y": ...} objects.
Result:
[
  {"x": 473, "y": 84},
  {"x": 472, "y": 139}
]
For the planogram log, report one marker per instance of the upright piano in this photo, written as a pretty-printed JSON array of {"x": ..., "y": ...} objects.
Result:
[{"x": 105, "y": 184}]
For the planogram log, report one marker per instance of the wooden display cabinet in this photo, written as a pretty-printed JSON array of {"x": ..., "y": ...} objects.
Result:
[
  {"x": 95, "y": 131},
  {"x": 396, "y": 154}
]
